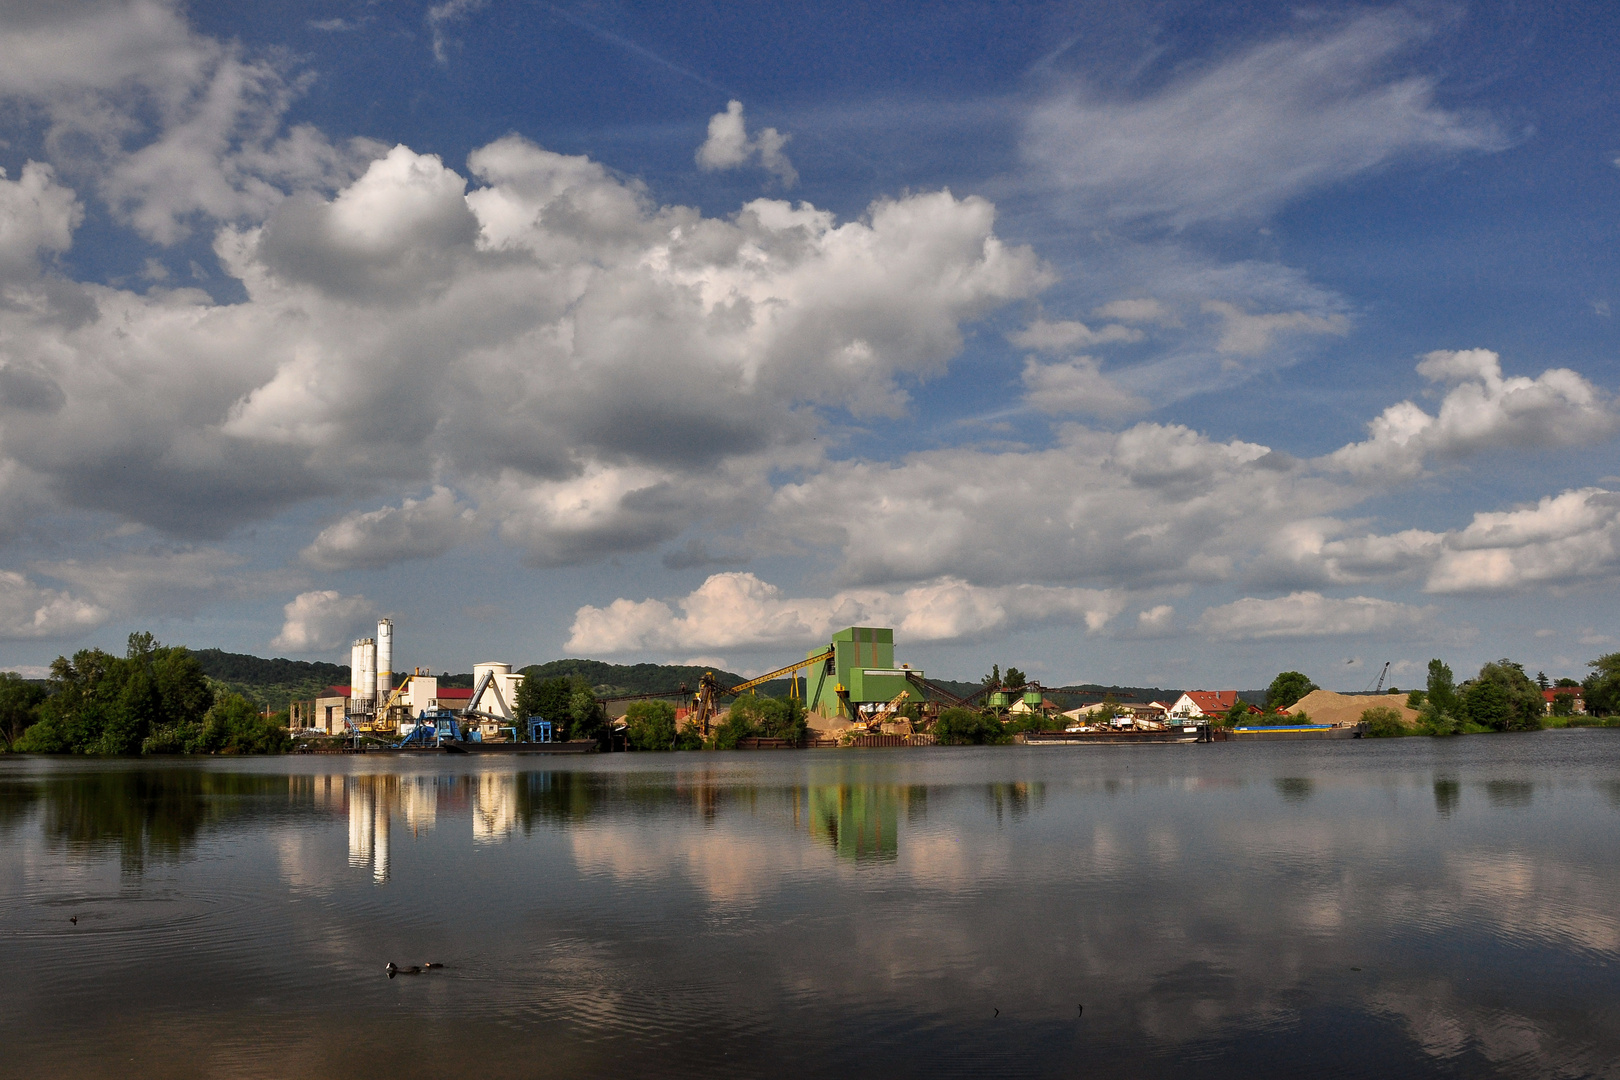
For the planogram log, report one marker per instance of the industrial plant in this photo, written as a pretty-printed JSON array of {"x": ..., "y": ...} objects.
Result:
[{"x": 849, "y": 692}]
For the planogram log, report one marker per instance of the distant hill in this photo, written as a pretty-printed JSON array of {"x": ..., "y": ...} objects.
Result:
[
  {"x": 270, "y": 682},
  {"x": 611, "y": 679}
]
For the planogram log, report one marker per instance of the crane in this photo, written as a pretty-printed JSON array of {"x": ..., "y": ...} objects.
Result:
[
  {"x": 1379, "y": 688},
  {"x": 886, "y": 711}
]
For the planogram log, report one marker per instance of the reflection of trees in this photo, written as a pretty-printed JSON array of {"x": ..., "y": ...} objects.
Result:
[
  {"x": 1295, "y": 788},
  {"x": 1447, "y": 794},
  {"x": 1014, "y": 799},
  {"x": 146, "y": 814}
]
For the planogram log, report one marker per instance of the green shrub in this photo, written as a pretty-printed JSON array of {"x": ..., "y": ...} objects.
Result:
[
  {"x": 960, "y": 726},
  {"x": 650, "y": 725},
  {"x": 1384, "y": 722}
]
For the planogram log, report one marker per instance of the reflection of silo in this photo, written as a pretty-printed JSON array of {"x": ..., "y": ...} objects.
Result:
[
  {"x": 385, "y": 657},
  {"x": 494, "y": 807},
  {"x": 379, "y": 864},
  {"x": 362, "y": 825},
  {"x": 419, "y": 798}
]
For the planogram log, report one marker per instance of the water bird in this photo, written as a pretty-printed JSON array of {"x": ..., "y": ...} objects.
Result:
[
  {"x": 998, "y": 1012},
  {"x": 74, "y": 920},
  {"x": 394, "y": 969}
]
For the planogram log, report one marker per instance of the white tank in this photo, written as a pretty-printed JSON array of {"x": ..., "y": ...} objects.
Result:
[
  {"x": 385, "y": 657},
  {"x": 357, "y": 664},
  {"x": 494, "y": 699},
  {"x": 368, "y": 669}
]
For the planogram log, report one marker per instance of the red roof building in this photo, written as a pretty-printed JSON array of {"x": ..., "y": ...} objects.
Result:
[
  {"x": 1575, "y": 693},
  {"x": 1196, "y": 703}
]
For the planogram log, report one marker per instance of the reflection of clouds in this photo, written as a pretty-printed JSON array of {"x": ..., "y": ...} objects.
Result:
[
  {"x": 727, "y": 866},
  {"x": 1522, "y": 896}
]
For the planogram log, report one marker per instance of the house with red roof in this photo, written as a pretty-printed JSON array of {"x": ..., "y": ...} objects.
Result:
[
  {"x": 1576, "y": 695},
  {"x": 1205, "y": 703}
]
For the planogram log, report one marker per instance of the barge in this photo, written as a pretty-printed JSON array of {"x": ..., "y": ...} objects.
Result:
[
  {"x": 1176, "y": 733},
  {"x": 1292, "y": 732}
]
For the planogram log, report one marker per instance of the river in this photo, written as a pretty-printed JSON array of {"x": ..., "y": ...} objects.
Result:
[{"x": 1380, "y": 908}]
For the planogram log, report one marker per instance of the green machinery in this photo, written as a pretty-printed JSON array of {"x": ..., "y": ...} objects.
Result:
[{"x": 859, "y": 671}]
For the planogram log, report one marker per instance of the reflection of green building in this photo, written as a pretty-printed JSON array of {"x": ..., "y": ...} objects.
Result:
[
  {"x": 861, "y": 822},
  {"x": 861, "y": 670}
]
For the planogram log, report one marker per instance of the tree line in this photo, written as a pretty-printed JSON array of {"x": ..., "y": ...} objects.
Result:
[{"x": 155, "y": 699}]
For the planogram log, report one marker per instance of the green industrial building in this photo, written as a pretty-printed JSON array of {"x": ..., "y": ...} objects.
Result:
[{"x": 859, "y": 671}]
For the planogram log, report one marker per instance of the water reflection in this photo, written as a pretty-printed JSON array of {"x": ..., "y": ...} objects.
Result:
[
  {"x": 1226, "y": 912},
  {"x": 1294, "y": 788},
  {"x": 859, "y": 822},
  {"x": 1509, "y": 793},
  {"x": 1447, "y": 793}
]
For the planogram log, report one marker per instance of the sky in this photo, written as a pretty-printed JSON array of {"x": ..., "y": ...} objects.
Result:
[{"x": 1174, "y": 346}]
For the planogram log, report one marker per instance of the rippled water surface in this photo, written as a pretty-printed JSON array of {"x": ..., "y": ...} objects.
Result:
[{"x": 1408, "y": 907}]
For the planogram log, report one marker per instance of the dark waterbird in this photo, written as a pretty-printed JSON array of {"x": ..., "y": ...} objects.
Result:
[{"x": 394, "y": 969}]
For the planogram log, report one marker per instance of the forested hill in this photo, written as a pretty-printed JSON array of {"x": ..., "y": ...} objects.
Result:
[
  {"x": 271, "y": 682},
  {"x": 610, "y": 679}
]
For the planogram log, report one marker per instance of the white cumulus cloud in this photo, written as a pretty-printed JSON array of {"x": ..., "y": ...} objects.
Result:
[
  {"x": 29, "y": 611},
  {"x": 729, "y": 147},
  {"x": 322, "y": 620},
  {"x": 415, "y": 529},
  {"x": 1482, "y": 410},
  {"x": 738, "y": 609}
]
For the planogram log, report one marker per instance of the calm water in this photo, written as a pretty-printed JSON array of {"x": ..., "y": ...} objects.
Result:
[{"x": 1409, "y": 907}]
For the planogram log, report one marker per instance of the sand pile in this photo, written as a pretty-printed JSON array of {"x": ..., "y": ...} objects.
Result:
[{"x": 1326, "y": 707}]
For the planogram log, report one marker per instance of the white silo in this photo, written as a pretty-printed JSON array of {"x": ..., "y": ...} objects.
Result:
[
  {"x": 385, "y": 658},
  {"x": 357, "y": 665},
  {"x": 368, "y": 669}
]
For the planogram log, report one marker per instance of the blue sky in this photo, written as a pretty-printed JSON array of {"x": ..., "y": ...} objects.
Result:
[{"x": 1176, "y": 346}]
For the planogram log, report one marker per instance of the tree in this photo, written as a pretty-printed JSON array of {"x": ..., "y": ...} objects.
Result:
[
  {"x": 1541, "y": 680},
  {"x": 1237, "y": 714},
  {"x": 993, "y": 680},
  {"x": 1504, "y": 698},
  {"x": 1015, "y": 678},
  {"x": 1602, "y": 686},
  {"x": 959, "y": 726},
  {"x": 527, "y": 702},
  {"x": 19, "y": 706},
  {"x": 1442, "y": 691},
  {"x": 650, "y": 725},
  {"x": 553, "y": 699},
  {"x": 1383, "y": 722},
  {"x": 1286, "y": 690},
  {"x": 586, "y": 718},
  {"x": 103, "y": 704}
]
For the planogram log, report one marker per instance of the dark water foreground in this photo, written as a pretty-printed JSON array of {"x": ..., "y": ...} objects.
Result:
[{"x": 1409, "y": 907}]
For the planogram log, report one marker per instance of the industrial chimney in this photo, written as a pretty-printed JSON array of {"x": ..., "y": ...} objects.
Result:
[{"x": 385, "y": 658}]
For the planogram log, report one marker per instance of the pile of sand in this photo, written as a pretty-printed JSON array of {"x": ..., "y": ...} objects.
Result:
[{"x": 1326, "y": 707}]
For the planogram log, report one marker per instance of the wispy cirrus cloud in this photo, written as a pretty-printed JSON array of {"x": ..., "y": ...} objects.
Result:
[{"x": 1244, "y": 135}]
